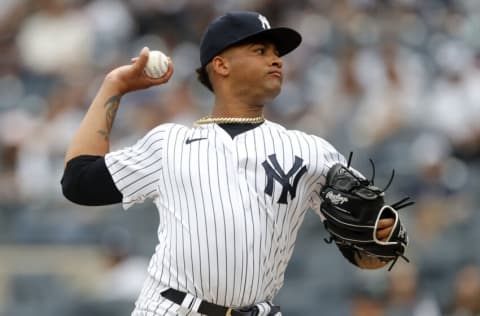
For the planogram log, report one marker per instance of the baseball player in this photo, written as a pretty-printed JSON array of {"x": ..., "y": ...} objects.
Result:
[{"x": 231, "y": 191}]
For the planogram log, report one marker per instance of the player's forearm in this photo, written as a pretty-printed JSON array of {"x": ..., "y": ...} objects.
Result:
[
  {"x": 93, "y": 135},
  {"x": 92, "y": 138}
]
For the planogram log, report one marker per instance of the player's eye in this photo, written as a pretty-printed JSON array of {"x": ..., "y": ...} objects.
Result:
[{"x": 260, "y": 50}]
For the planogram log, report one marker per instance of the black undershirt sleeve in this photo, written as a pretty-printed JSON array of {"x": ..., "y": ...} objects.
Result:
[{"x": 87, "y": 181}]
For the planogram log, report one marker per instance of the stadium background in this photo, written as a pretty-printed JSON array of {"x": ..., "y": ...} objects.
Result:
[{"x": 397, "y": 81}]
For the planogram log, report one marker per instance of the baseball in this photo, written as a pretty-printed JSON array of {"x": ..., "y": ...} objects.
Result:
[{"x": 157, "y": 64}]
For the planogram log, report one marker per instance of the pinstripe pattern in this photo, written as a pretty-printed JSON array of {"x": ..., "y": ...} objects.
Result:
[{"x": 221, "y": 236}]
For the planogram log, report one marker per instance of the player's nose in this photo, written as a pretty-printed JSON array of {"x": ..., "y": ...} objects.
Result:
[
  {"x": 273, "y": 53},
  {"x": 277, "y": 61}
]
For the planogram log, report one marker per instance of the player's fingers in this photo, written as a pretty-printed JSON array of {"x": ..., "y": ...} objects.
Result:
[
  {"x": 382, "y": 234},
  {"x": 385, "y": 223},
  {"x": 142, "y": 59},
  {"x": 134, "y": 59}
]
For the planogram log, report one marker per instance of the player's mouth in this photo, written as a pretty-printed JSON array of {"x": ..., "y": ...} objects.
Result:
[{"x": 275, "y": 73}]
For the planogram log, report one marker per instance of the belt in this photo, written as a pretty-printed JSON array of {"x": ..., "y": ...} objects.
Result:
[{"x": 206, "y": 308}]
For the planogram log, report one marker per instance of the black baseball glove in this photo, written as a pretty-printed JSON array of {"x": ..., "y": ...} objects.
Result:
[{"x": 352, "y": 207}]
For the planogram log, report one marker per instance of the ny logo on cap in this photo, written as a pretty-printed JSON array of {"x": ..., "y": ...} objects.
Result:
[{"x": 264, "y": 21}]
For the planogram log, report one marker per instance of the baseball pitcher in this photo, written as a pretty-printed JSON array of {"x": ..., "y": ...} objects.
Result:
[{"x": 232, "y": 190}]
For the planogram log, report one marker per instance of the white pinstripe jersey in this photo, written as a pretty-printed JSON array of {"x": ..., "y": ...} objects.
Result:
[{"x": 229, "y": 209}]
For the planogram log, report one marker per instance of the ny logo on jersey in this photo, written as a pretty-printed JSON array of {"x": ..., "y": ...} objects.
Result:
[
  {"x": 275, "y": 172},
  {"x": 265, "y": 23}
]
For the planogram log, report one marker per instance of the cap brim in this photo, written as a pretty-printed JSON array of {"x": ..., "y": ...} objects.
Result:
[{"x": 285, "y": 39}]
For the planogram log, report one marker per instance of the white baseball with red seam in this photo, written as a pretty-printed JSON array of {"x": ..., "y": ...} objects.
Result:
[{"x": 157, "y": 64}]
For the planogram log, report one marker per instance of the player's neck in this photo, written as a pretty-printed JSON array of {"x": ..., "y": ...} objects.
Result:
[{"x": 236, "y": 108}]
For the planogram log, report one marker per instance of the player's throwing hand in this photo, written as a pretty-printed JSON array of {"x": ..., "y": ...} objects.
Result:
[{"x": 132, "y": 77}]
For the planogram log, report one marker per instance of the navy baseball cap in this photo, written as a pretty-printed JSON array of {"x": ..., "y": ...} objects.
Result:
[{"x": 235, "y": 27}]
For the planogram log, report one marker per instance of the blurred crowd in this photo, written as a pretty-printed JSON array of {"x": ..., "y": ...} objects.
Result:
[{"x": 397, "y": 81}]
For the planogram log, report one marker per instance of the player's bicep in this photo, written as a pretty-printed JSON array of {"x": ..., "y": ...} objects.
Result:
[{"x": 87, "y": 181}]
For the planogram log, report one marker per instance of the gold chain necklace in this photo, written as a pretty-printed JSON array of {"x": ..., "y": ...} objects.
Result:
[{"x": 230, "y": 120}]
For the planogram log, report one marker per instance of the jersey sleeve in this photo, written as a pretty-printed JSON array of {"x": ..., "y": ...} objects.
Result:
[
  {"x": 136, "y": 170},
  {"x": 328, "y": 155}
]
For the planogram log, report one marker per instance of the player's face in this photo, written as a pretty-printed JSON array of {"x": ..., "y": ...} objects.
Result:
[{"x": 256, "y": 70}]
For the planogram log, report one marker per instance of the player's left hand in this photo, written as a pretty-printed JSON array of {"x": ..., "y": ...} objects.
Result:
[
  {"x": 357, "y": 217},
  {"x": 384, "y": 228}
]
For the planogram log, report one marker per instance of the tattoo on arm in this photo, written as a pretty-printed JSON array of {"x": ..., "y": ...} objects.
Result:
[{"x": 111, "y": 107}]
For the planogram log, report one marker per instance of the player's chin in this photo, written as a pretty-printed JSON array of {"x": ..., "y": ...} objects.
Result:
[
  {"x": 273, "y": 87},
  {"x": 270, "y": 95}
]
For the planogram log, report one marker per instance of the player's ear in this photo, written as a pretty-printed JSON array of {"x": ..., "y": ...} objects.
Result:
[{"x": 220, "y": 65}]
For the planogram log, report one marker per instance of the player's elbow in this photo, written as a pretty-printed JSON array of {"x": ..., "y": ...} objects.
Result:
[
  {"x": 86, "y": 181},
  {"x": 79, "y": 193},
  {"x": 71, "y": 192},
  {"x": 68, "y": 191}
]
